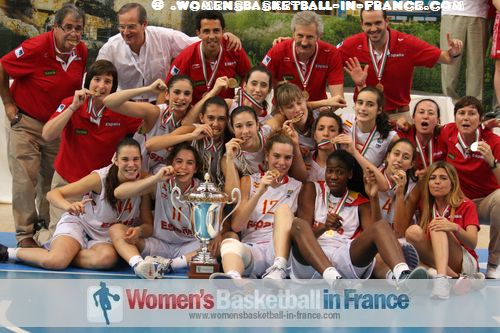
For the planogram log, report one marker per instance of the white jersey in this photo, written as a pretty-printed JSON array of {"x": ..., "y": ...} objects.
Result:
[
  {"x": 99, "y": 216},
  {"x": 348, "y": 212},
  {"x": 377, "y": 146},
  {"x": 169, "y": 224},
  {"x": 164, "y": 124},
  {"x": 248, "y": 163},
  {"x": 387, "y": 198},
  {"x": 259, "y": 228},
  {"x": 315, "y": 172},
  {"x": 265, "y": 116}
]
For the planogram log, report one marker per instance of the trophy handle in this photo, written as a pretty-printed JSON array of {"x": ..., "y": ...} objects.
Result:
[
  {"x": 176, "y": 199},
  {"x": 236, "y": 196},
  {"x": 209, "y": 223}
]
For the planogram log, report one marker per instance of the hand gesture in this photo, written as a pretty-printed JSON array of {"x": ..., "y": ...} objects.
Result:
[
  {"x": 442, "y": 224},
  {"x": 455, "y": 46},
  {"x": 158, "y": 86},
  {"x": 337, "y": 102},
  {"x": 78, "y": 207},
  {"x": 333, "y": 222},
  {"x": 346, "y": 142},
  {"x": 371, "y": 185},
  {"x": 11, "y": 110},
  {"x": 266, "y": 180},
  {"x": 165, "y": 173},
  {"x": 399, "y": 178},
  {"x": 233, "y": 147},
  {"x": 132, "y": 235},
  {"x": 202, "y": 131},
  {"x": 485, "y": 150},
  {"x": 79, "y": 98},
  {"x": 291, "y": 132},
  {"x": 402, "y": 124},
  {"x": 491, "y": 123},
  {"x": 358, "y": 74},
  {"x": 233, "y": 42},
  {"x": 280, "y": 39}
]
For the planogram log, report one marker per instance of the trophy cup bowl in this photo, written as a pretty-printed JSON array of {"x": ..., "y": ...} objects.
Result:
[{"x": 206, "y": 205}]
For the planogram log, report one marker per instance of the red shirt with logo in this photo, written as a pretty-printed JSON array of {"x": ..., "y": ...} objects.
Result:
[
  {"x": 437, "y": 154},
  {"x": 405, "y": 53},
  {"x": 40, "y": 81},
  {"x": 328, "y": 68},
  {"x": 189, "y": 62},
  {"x": 86, "y": 146},
  {"x": 476, "y": 177}
]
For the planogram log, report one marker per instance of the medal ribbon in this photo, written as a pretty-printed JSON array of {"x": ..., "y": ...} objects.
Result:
[
  {"x": 304, "y": 80},
  {"x": 435, "y": 212},
  {"x": 340, "y": 204},
  {"x": 379, "y": 70},
  {"x": 421, "y": 151},
  {"x": 462, "y": 143},
  {"x": 366, "y": 145},
  {"x": 95, "y": 115},
  {"x": 168, "y": 118},
  {"x": 210, "y": 81},
  {"x": 242, "y": 95}
]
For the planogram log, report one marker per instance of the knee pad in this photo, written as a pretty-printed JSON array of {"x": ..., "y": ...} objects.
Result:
[{"x": 233, "y": 246}]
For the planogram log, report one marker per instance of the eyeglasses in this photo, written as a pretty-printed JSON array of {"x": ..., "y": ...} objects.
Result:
[{"x": 69, "y": 28}]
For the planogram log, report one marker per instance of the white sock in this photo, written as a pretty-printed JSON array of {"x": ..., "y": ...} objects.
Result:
[
  {"x": 400, "y": 268},
  {"x": 12, "y": 253},
  {"x": 280, "y": 262},
  {"x": 234, "y": 274},
  {"x": 135, "y": 260},
  {"x": 179, "y": 263},
  {"x": 331, "y": 274}
]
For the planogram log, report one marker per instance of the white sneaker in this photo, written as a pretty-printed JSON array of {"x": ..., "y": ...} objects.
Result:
[
  {"x": 441, "y": 289},
  {"x": 432, "y": 273},
  {"x": 493, "y": 272},
  {"x": 164, "y": 264},
  {"x": 147, "y": 270},
  {"x": 467, "y": 283},
  {"x": 275, "y": 273}
]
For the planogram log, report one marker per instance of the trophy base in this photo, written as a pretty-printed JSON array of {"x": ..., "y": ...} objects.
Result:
[{"x": 200, "y": 270}]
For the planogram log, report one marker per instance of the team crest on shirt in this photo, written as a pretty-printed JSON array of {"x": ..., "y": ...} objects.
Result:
[
  {"x": 174, "y": 70},
  {"x": 19, "y": 52},
  {"x": 267, "y": 60},
  {"x": 61, "y": 107}
]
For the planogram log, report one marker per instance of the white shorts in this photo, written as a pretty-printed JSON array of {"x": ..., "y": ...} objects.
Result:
[
  {"x": 156, "y": 247},
  {"x": 340, "y": 259},
  {"x": 469, "y": 263},
  {"x": 262, "y": 258},
  {"x": 74, "y": 227}
]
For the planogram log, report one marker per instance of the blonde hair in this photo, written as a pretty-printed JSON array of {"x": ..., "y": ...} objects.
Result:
[
  {"x": 454, "y": 197},
  {"x": 285, "y": 94}
]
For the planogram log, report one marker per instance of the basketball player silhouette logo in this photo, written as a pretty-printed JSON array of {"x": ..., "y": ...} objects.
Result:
[{"x": 102, "y": 298}]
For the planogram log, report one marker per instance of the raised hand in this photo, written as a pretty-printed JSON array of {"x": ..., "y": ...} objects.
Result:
[
  {"x": 358, "y": 74},
  {"x": 78, "y": 207}
]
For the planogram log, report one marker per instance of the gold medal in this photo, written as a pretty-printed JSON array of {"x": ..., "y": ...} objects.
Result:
[
  {"x": 306, "y": 95},
  {"x": 232, "y": 83},
  {"x": 380, "y": 87}
]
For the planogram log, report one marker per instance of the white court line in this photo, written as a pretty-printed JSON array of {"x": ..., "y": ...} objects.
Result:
[
  {"x": 4, "y": 306},
  {"x": 87, "y": 273}
]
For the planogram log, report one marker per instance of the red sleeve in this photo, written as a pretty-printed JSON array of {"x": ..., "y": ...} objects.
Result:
[
  {"x": 23, "y": 60},
  {"x": 179, "y": 66},
  {"x": 442, "y": 139},
  {"x": 133, "y": 124},
  {"x": 335, "y": 68},
  {"x": 273, "y": 53},
  {"x": 345, "y": 50},
  {"x": 469, "y": 214},
  {"x": 424, "y": 54},
  {"x": 65, "y": 103},
  {"x": 243, "y": 65}
]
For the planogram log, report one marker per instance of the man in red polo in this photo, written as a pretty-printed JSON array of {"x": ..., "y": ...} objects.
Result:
[
  {"x": 209, "y": 58},
  {"x": 45, "y": 69},
  {"x": 390, "y": 57},
  {"x": 307, "y": 61}
]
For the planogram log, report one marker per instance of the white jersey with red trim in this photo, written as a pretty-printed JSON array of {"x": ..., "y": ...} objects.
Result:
[
  {"x": 169, "y": 224},
  {"x": 315, "y": 172},
  {"x": 349, "y": 213},
  {"x": 248, "y": 163},
  {"x": 165, "y": 124},
  {"x": 99, "y": 214},
  {"x": 259, "y": 228},
  {"x": 387, "y": 201},
  {"x": 265, "y": 116},
  {"x": 377, "y": 149}
]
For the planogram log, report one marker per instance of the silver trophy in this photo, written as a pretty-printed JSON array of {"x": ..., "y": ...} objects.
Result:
[{"x": 206, "y": 204}]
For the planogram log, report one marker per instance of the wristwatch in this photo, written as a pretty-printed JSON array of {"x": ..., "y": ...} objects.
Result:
[{"x": 495, "y": 164}]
